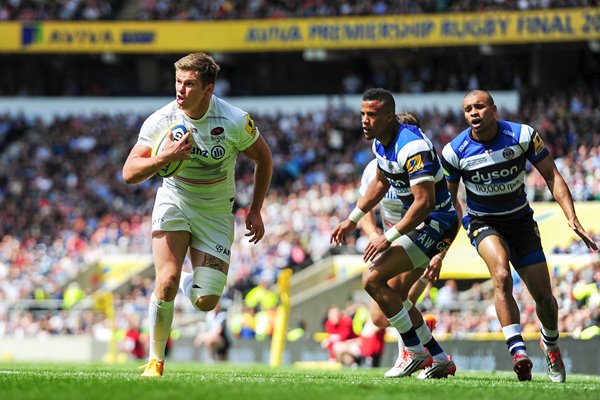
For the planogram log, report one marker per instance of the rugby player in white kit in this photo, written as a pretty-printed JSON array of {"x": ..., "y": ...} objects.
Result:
[{"x": 193, "y": 209}]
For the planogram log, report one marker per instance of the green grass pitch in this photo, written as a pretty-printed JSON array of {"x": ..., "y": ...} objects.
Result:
[{"x": 253, "y": 382}]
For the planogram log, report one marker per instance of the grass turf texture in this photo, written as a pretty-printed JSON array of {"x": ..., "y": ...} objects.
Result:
[{"x": 240, "y": 382}]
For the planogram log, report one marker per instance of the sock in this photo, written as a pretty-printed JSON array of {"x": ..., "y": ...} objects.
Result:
[
  {"x": 185, "y": 283},
  {"x": 403, "y": 324},
  {"x": 549, "y": 338},
  {"x": 430, "y": 343},
  {"x": 514, "y": 340},
  {"x": 160, "y": 318}
]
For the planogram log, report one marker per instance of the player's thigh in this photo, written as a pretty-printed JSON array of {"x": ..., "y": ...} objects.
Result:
[
  {"x": 390, "y": 263},
  {"x": 537, "y": 279},
  {"x": 169, "y": 250},
  {"x": 212, "y": 237},
  {"x": 202, "y": 259},
  {"x": 495, "y": 253},
  {"x": 403, "y": 282}
]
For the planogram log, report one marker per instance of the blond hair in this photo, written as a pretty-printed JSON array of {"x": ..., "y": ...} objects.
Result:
[
  {"x": 408, "y": 118},
  {"x": 202, "y": 63}
]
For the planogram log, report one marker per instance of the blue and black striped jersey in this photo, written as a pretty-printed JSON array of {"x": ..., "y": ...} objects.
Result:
[
  {"x": 410, "y": 159},
  {"x": 494, "y": 172}
]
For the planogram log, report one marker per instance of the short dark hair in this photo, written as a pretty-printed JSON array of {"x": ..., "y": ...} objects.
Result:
[
  {"x": 382, "y": 95},
  {"x": 406, "y": 117},
  {"x": 202, "y": 63},
  {"x": 481, "y": 91}
]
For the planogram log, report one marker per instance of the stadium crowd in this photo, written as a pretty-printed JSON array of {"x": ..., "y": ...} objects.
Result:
[
  {"x": 90, "y": 10},
  {"x": 246, "y": 9},
  {"x": 65, "y": 204},
  {"x": 70, "y": 10}
]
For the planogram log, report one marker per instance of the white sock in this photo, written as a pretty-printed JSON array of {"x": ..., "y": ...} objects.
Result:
[
  {"x": 425, "y": 337},
  {"x": 514, "y": 340},
  {"x": 160, "y": 318},
  {"x": 549, "y": 338},
  {"x": 403, "y": 324},
  {"x": 185, "y": 283}
]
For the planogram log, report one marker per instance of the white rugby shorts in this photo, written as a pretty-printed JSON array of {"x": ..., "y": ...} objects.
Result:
[{"x": 212, "y": 234}]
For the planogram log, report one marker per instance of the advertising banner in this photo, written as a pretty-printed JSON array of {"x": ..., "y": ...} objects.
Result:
[{"x": 368, "y": 32}]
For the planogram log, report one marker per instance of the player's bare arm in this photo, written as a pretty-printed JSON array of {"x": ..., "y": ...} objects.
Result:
[
  {"x": 368, "y": 224},
  {"x": 140, "y": 165},
  {"x": 375, "y": 192},
  {"x": 559, "y": 189},
  {"x": 423, "y": 204},
  {"x": 260, "y": 153}
]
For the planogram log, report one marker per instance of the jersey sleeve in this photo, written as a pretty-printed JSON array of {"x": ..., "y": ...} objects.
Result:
[
  {"x": 247, "y": 132},
  {"x": 151, "y": 130},
  {"x": 536, "y": 150},
  {"x": 367, "y": 176},
  {"x": 420, "y": 164},
  {"x": 450, "y": 164}
]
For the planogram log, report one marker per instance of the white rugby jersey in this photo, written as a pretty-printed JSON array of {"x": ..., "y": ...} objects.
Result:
[
  {"x": 409, "y": 160},
  {"x": 494, "y": 172},
  {"x": 391, "y": 207},
  {"x": 207, "y": 179}
]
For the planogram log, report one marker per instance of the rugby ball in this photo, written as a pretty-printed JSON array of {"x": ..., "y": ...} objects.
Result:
[{"x": 172, "y": 168}]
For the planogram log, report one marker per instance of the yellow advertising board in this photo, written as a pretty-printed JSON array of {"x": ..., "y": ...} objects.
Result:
[
  {"x": 368, "y": 32},
  {"x": 463, "y": 262}
]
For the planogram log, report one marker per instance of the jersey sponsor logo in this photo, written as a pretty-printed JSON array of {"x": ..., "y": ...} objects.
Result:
[
  {"x": 462, "y": 146},
  {"x": 250, "y": 127},
  {"x": 508, "y": 153},
  {"x": 217, "y": 152},
  {"x": 217, "y": 131},
  {"x": 443, "y": 245},
  {"x": 223, "y": 250},
  {"x": 498, "y": 187},
  {"x": 415, "y": 164},
  {"x": 476, "y": 232},
  {"x": 200, "y": 152},
  {"x": 488, "y": 177},
  {"x": 475, "y": 161},
  {"x": 538, "y": 143}
]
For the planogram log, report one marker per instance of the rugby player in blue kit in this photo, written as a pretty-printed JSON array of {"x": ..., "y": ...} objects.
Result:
[{"x": 490, "y": 157}]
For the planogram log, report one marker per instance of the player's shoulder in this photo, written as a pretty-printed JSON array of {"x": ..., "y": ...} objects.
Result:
[
  {"x": 459, "y": 143},
  {"x": 412, "y": 139},
  {"x": 166, "y": 112},
  {"x": 371, "y": 167},
  {"x": 410, "y": 133},
  {"x": 517, "y": 130},
  {"x": 157, "y": 122},
  {"x": 168, "y": 109},
  {"x": 224, "y": 109}
]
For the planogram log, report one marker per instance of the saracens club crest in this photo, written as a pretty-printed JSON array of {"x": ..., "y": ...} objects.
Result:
[{"x": 216, "y": 134}]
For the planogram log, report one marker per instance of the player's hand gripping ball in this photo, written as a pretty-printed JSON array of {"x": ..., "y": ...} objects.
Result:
[{"x": 172, "y": 168}]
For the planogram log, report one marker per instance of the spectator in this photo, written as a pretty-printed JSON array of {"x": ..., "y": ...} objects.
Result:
[
  {"x": 215, "y": 338},
  {"x": 338, "y": 327}
]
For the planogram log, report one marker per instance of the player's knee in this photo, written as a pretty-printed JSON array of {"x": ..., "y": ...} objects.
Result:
[
  {"x": 545, "y": 298},
  {"x": 370, "y": 282},
  {"x": 207, "y": 287},
  {"x": 207, "y": 303},
  {"x": 380, "y": 320},
  {"x": 503, "y": 283},
  {"x": 166, "y": 287}
]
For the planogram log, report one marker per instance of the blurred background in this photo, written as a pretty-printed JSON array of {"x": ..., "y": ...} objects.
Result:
[{"x": 80, "y": 76}]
